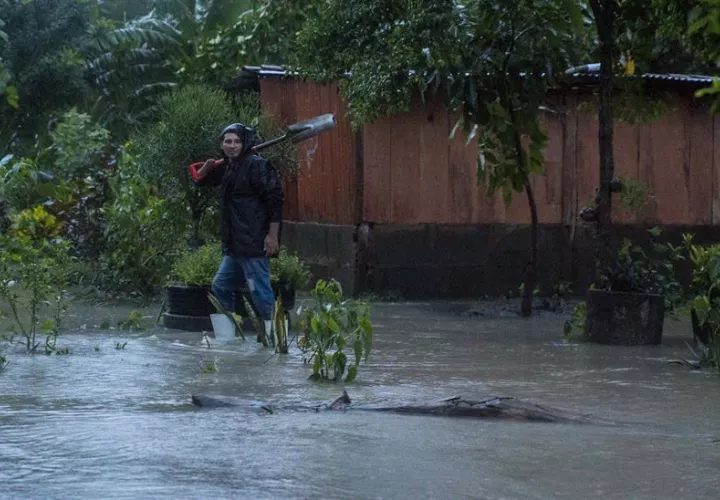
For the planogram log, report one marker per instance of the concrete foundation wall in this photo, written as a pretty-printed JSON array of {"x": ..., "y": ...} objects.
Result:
[{"x": 455, "y": 261}]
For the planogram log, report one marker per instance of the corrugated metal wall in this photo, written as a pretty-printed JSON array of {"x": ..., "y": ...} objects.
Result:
[
  {"x": 411, "y": 173},
  {"x": 326, "y": 190}
]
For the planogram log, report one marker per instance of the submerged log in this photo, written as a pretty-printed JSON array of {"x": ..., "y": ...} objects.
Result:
[{"x": 506, "y": 408}]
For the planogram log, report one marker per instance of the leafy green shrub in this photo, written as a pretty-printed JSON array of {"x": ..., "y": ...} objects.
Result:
[
  {"x": 78, "y": 146},
  {"x": 69, "y": 177},
  {"x": 36, "y": 223},
  {"x": 198, "y": 267},
  {"x": 33, "y": 276},
  {"x": 23, "y": 183},
  {"x": 188, "y": 131},
  {"x": 144, "y": 235},
  {"x": 288, "y": 268},
  {"x": 635, "y": 270},
  {"x": 705, "y": 291},
  {"x": 329, "y": 323}
]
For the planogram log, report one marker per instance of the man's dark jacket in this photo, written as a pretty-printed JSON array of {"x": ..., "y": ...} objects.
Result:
[{"x": 251, "y": 198}]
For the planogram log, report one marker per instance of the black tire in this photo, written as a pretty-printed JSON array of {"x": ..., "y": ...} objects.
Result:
[
  {"x": 187, "y": 323},
  {"x": 188, "y": 300},
  {"x": 193, "y": 301}
]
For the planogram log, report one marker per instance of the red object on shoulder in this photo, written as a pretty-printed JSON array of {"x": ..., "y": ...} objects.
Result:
[{"x": 194, "y": 167}]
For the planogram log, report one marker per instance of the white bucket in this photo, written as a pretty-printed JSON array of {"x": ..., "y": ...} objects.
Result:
[{"x": 223, "y": 327}]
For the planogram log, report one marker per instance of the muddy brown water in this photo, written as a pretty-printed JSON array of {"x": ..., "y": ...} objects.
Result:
[{"x": 109, "y": 423}]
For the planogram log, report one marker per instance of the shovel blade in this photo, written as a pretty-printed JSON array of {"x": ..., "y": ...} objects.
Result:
[{"x": 306, "y": 129}]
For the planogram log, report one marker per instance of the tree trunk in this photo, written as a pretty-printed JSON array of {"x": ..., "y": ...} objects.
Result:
[
  {"x": 605, "y": 12},
  {"x": 505, "y": 408},
  {"x": 531, "y": 270}
]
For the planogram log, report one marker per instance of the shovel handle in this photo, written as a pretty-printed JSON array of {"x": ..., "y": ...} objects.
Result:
[{"x": 195, "y": 167}]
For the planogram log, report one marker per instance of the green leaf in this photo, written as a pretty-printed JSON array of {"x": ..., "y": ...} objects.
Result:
[
  {"x": 317, "y": 363},
  {"x": 701, "y": 304},
  {"x": 352, "y": 373},
  {"x": 332, "y": 325},
  {"x": 12, "y": 96},
  {"x": 358, "y": 349}
]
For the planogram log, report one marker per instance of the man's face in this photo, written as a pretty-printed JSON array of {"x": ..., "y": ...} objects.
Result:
[{"x": 232, "y": 145}]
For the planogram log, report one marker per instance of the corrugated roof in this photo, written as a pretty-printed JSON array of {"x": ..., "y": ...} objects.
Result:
[
  {"x": 271, "y": 70},
  {"x": 667, "y": 77}
]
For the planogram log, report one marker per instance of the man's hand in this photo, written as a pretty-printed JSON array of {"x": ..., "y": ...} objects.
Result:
[{"x": 271, "y": 244}]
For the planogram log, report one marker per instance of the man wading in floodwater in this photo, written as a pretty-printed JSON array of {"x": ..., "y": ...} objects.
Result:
[{"x": 251, "y": 207}]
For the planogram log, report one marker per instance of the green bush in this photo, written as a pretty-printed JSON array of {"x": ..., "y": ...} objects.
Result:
[
  {"x": 33, "y": 277},
  {"x": 188, "y": 130},
  {"x": 198, "y": 267},
  {"x": 144, "y": 234}
]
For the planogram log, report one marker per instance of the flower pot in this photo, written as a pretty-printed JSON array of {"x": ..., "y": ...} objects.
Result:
[
  {"x": 188, "y": 308},
  {"x": 700, "y": 332},
  {"x": 625, "y": 318},
  {"x": 187, "y": 323},
  {"x": 287, "y": 294}
]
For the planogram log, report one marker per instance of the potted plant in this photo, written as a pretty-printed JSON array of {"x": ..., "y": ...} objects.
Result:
[
  {"x": 636, "y": 291},
  {"x": 288, "y": 274},
  {"x": 186, "y": 297},
  {"x": 704, "y": 289}
]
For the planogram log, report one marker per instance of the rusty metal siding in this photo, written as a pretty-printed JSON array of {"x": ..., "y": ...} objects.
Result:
[
  {"x": 702, "y": 146},
  {"x": 278, "y": 99},
  {"x": 672, "y": 155},
  {"x": 408, "y": 172},
  {"x": 414, "y": 174},
  {"x": 326, "y": 188}
]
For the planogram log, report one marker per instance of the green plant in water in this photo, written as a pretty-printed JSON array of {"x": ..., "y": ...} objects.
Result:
[
  {"x": 706, "y": 299},
  {"x": 559, "y": 293},
  {"x": 281, "y": 334},
  {"x": 209, "y": 366},
  {"x": 638, "y": 271},
  {"x": 33, "y": 276},
  {"x": 3, "y": 361},
  {"x": 134, "y": 321},
  {"x": 575, "y": 329},
  {"x": 255, "y": 320},
  {"x": 330, "y": 323}
]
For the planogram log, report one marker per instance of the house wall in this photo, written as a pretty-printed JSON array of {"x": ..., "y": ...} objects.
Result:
[{"x": 397, "y": 207}]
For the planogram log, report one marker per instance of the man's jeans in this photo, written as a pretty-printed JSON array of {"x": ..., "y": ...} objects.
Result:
[{"x": 256, "y": 272}]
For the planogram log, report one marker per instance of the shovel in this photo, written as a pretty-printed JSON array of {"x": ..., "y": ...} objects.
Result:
[
  {"x": 297, "y": 132},
  {"x": 302, "y": 131}
]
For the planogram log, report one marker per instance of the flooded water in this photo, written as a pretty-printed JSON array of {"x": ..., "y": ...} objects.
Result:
[{"x": 109, "y": 423}]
